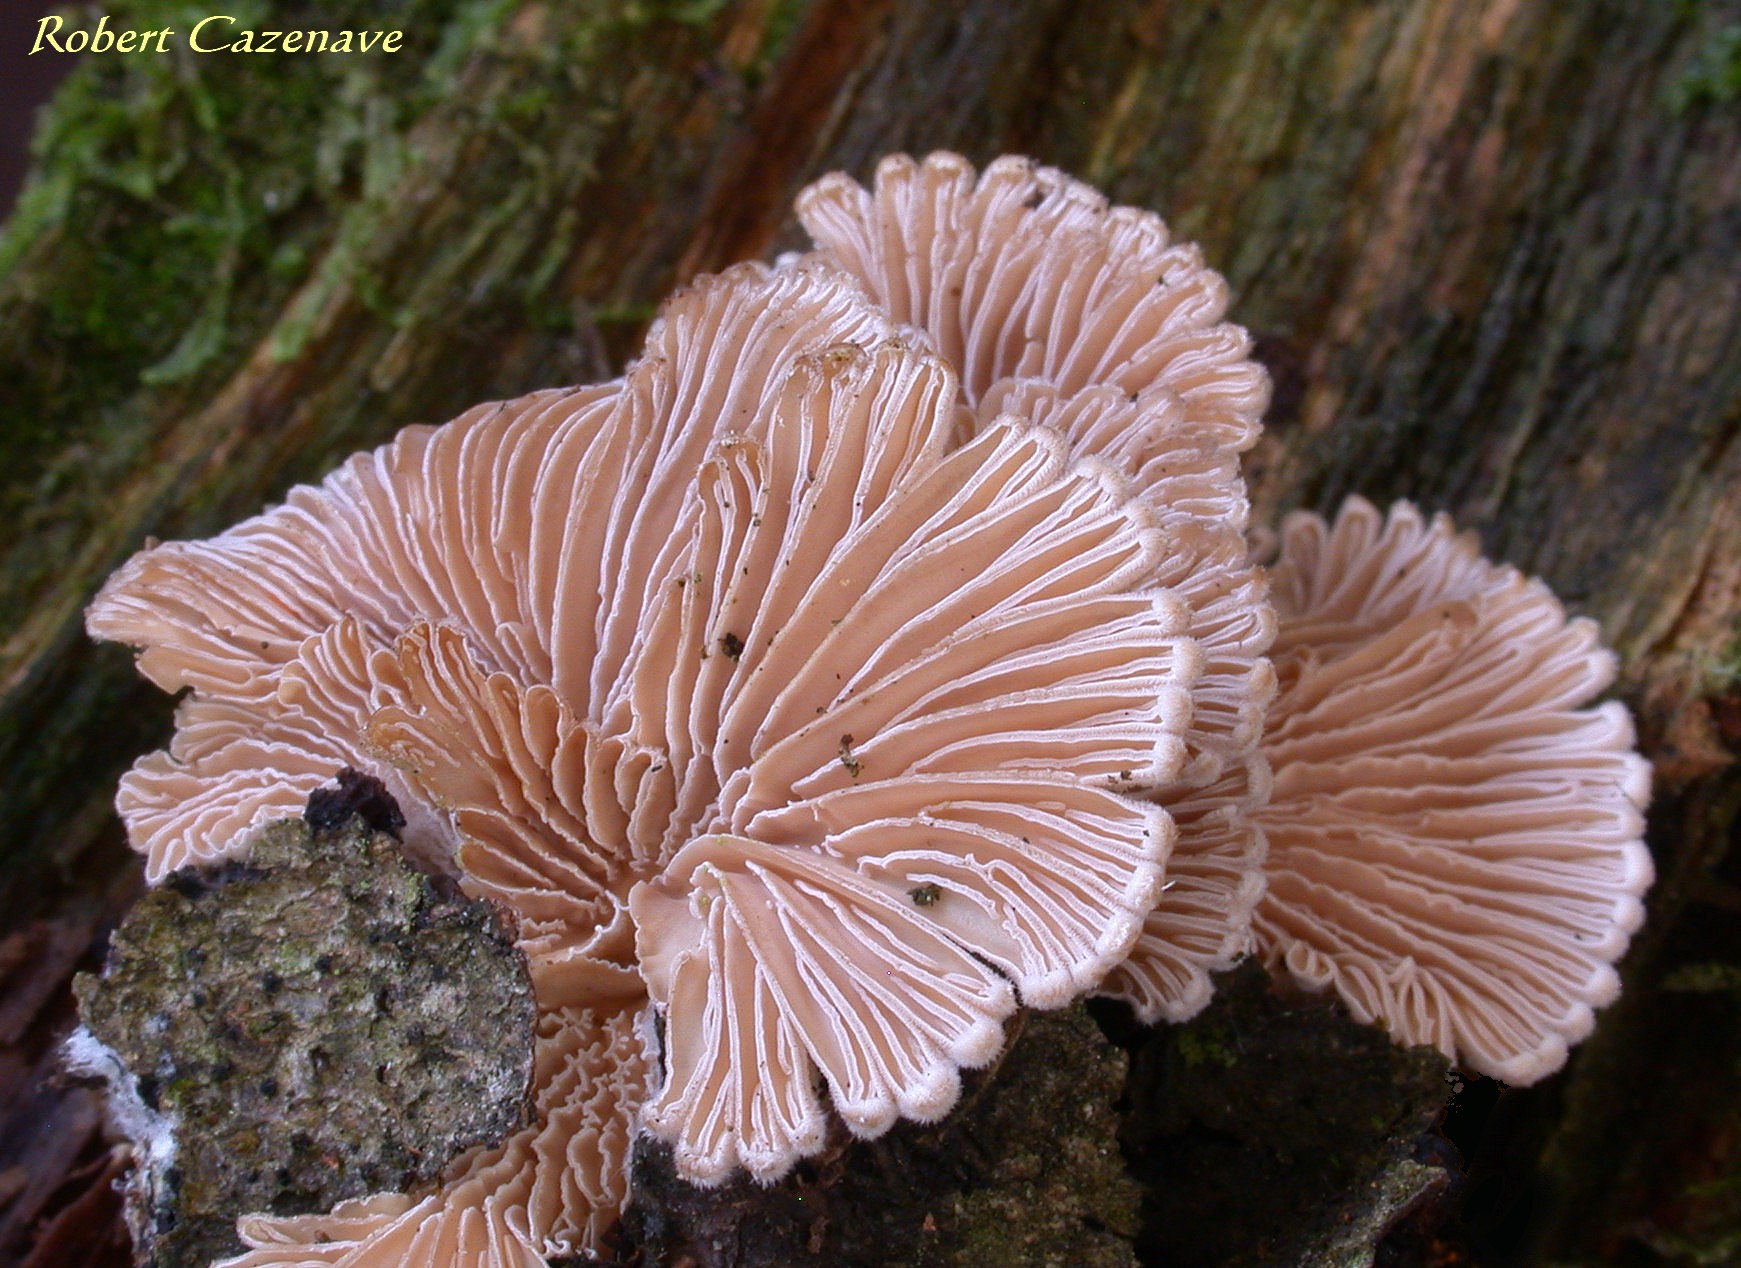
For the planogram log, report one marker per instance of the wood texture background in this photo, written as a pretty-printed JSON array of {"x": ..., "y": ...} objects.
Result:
[{"x": 1488, "y": 249}]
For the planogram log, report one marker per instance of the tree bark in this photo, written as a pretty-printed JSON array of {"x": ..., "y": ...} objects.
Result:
[{"x": 1487, "y": 248}]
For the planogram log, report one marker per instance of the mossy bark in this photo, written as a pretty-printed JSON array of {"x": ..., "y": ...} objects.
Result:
[
  {"x": 1025, "y": 1173},
  {"x": 1487, "y": 248},
  {"x": 319, "y": 1023}
]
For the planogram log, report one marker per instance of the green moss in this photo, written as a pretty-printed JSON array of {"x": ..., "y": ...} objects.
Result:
[
  {"x": 468, "y": 30},
  {"x": 1714, "y": 75},
  {"x": 624, "y": 315},
  {"x": 159, "y": 184},
  {"x": 696, "y": 12},
  {"x": 1721, "y": 669},
  {"x": 782, "y": 25},
  {"x": 184, "y": 201},
  {"x": 1206, "y": 1047}
]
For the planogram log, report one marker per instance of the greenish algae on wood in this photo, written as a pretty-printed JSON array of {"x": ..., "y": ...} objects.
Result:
[
  {"x": 1486, "y": 253},
  {"x": 321, "y": 1022},
  {"x": 1026, "y": 1173}
]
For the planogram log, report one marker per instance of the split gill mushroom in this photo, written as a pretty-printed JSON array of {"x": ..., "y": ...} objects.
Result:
[
  {"x": 705, "y": 676},
  {"x": 1452, "y": 841},
  {"x": 880, "y": 653},
  {"x": 1050, "y": 301},
  {"x": 1455, "y": 840}
]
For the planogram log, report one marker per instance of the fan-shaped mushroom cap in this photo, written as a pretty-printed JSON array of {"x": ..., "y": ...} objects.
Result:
[
  {"x": 1028, "y": 274},
  {"x": 489, "y": 523},
  {"x": 1202, "y": 924},
  {"x": 272, "y": 623},
  {"x": 1454, "y": 841},
  {"x": 764, "y": 694},
  {"x": 942, "y": 667},
  {"x": 551, "y": 1189},
  {"x": 1088, "y": 318}
]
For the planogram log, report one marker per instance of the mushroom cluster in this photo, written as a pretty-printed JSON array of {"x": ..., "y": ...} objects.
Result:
[
  {"x": 1454, "y": 843},
  {"x": 880, "y": 654}
]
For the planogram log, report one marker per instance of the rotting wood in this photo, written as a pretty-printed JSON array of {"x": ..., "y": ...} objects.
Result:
[{"x": 1486, "y": 248}]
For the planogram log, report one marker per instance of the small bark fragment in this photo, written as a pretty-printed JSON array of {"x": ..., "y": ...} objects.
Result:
[
  {"x": 320, "y": 1022},
  {"x": 1026, "y": 1173},
  {"x": 1275, "y": 1130}
]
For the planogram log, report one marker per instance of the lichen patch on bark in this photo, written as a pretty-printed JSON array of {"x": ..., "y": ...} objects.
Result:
[{"x": 320, "y": 1022}]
